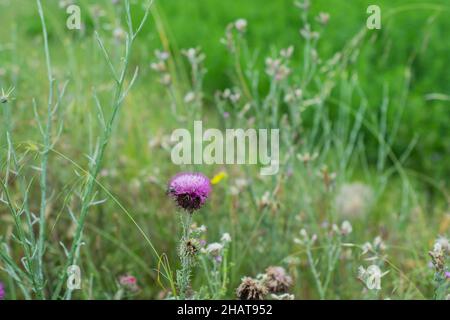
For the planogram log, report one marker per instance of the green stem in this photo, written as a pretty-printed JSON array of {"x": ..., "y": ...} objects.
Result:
[
  {"x": 186, "y": 261},
  {"x": 315, "y": 273},
  {"x": 44, "y": 159}
]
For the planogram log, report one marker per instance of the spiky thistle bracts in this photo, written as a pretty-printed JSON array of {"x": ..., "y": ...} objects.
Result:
[{"x": 189, "y": 248}]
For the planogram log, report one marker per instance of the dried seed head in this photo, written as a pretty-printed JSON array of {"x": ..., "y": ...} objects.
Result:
[
  {"x": 251, "y": 289},
  {"x": 277, "y": 280}
]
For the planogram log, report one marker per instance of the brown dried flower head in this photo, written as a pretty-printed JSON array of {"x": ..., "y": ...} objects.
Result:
[
  {"x": 277, "y": 280},
  {"x": 251, "y": 289}
]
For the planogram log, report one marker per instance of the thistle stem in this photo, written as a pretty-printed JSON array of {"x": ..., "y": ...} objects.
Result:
[{"x": 183, "y": 275}]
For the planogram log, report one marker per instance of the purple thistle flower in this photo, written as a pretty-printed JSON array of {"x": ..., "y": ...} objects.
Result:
[
  {"x": 2, "y": 291},
  {"x": 189, "y": 190},
  {"x": 447, "y": 274}
]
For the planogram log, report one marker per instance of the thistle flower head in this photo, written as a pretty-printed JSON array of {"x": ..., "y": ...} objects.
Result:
[
  {"x": 214, "y": 249},
  {"x": 444, "y": 243},
  {"x": 277, "y": 280},
  {"x": 226, "y": 238},
  {"x": 251, "y": 289},
  {"x": 189, "y": 190}
]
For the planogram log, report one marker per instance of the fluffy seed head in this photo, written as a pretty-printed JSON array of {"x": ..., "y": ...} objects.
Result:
[{"x": 189, "y": 190}]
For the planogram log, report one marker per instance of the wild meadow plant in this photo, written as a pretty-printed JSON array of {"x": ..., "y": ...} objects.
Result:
[
  {"x": 439, "y": 257},
  {"x": 319, "y": 158},
  {"x": 30, "y": 275},
  {"x": 216, "y": 265},
  {"x": 190, "y": 191},
  {"x": 329, "y": 225},
  {"x": 275, "y": 282}
]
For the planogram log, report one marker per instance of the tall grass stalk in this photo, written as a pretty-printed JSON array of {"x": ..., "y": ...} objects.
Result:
[
  {"x": 87, "y": 198},
  {"x": 44, "y": 157}
]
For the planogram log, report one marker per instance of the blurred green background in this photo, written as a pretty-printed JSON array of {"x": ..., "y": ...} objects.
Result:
[
  {"x": 406, "y": 60},
  {"x": 415, "y": 38}
]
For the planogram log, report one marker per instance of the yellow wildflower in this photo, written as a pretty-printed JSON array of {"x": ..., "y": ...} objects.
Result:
[{"x": 218, "y": 177}]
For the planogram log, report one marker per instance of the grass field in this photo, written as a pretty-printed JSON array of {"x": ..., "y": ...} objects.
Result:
[{"x": 358, "y": 210}]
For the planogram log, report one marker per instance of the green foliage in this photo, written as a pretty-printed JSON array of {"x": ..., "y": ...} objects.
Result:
[{"x": 382, "y": 118}]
